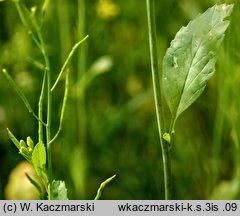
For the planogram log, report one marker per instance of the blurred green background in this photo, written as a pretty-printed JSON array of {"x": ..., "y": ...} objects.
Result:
[{"x": 110, "y": 124}]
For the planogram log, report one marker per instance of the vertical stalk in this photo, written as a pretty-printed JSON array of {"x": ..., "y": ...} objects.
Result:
[
  {"x": 156, "y": 77},
  {"x": 49, "y": 111},
  {"x": 40, "y": 110},
  {"x": 38, "y": 39},
  {"x": 48, "y": 131}
]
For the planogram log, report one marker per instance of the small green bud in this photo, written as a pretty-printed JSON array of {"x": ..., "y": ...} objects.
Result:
[
  {"x": 22, "y": 144},
  {"x": 30, "y": 142},
  {"x": 24, "y": 151},
  {"x": 33, "y": 10},
  {"x": 167, "y": 137},
  {"x": 30, "y": 150}
]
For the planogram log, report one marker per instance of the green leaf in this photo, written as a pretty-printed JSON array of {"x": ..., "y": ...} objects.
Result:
[
  {"x": 36, "y": 185},
  {"x": 59, "y": 190},
  {"x": 190, "y": 60},
  {"x": 39, "y": 161}
]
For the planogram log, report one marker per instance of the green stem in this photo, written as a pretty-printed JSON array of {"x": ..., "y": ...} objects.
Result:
[
  {"x": 48, "y": 134},
  {"x": 156, "y": 77},
  {"x": 49, "y": 112},
  {"x": 31, "y": 23},
  {"x": 40, "y": 110}
]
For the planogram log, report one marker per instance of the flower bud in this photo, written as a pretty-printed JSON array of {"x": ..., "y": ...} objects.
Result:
[
  {"x": 167, "y": 137},
  {"x": 30, "y": 142},
  {"x": 24, "y": 151},
  {"x": 22, "y": 144}
]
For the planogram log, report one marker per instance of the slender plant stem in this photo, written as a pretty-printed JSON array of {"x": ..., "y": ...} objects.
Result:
[
  {"x": 48, "y": 132},
  {"x": 156, "y": 77},
  {"x": 40, "y": 110},
  {"x": 36, "y": 34},
  {"x": 49, "y": 112}
]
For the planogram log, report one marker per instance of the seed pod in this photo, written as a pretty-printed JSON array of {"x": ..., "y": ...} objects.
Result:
[
  {"x": 22, "y": 144},
  {"x": 30, "y": 142}
]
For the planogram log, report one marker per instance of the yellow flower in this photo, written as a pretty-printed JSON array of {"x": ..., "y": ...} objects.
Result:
[{"x": 106, "y": 9}]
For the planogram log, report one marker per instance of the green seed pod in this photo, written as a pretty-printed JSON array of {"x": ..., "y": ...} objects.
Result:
[
  {"x": 22, "y": 144},
  {"x": 30, "y": 142}
]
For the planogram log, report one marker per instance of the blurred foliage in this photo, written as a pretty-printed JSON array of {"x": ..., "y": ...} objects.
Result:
[
  {"x": 19, "y": 187},
  {"x": 110, "y": 125}
]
